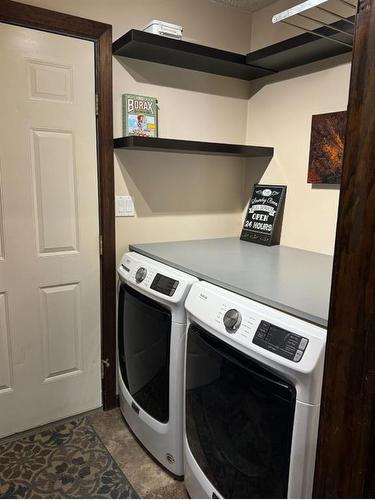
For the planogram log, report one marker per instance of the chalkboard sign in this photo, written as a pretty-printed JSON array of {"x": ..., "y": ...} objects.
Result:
[{"x": 263, "y": 222}]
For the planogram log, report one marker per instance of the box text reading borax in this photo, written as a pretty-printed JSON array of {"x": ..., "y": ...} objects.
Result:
[{"x": 135, "y": 105}]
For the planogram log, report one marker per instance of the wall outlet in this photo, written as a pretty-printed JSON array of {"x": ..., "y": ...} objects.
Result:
[{"x": 125, "y": 206}]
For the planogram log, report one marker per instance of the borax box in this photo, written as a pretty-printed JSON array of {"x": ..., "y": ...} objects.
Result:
[{"x": 139, "y": 115}]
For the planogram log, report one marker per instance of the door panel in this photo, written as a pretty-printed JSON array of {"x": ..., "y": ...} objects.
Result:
[
  {"x": 50, "y": 82},
  {"x": 55, "y": 190},
  {"x": 49, "y": 231},
  {"x": 5, "y": 354},
  {"x": 61, "y": 320},
  {"x": 1, "y": 220}
]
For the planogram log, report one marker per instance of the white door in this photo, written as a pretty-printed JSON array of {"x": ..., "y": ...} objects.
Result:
[{"x": 49, "y": 254}]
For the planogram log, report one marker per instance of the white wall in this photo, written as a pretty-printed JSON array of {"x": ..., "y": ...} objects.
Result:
[
  {"x": 279, "y": 115},
  {"x": 178, "y": 196}
]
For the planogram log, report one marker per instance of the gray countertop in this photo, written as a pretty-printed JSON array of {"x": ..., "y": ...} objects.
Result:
[{"x": 291, "y": 280}]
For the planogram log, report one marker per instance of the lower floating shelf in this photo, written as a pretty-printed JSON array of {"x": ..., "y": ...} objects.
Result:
[{"x": 191, "y": 147}]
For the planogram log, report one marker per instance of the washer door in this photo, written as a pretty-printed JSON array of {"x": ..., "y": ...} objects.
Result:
[
  {"x": 144, "y": 337},
  {"x": 239, "y": 419}
]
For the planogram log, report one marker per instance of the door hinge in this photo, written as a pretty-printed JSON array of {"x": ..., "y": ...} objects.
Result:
[
  {"x": 105, "y": 364},
  {"x": 97, "y": 104},
  {"x": 100, "y": 244}
]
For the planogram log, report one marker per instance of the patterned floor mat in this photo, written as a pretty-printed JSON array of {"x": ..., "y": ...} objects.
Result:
[{"x": 64, "y": 461}]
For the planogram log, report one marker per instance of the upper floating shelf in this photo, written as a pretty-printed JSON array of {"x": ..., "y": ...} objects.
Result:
[
  {"x": 290, "y": 53},
  {"x": 191, "y": 147},
  {"x": 149, "y": 47},
  {"x": 304, "y": 49}
]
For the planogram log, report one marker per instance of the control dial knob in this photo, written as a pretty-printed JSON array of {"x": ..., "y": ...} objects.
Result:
[
  {"x": 232, "y": 320},
  {"x": 140, "y": 274}
]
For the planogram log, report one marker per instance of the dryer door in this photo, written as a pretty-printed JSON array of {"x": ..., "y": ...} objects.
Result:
[
  {"x": 144, "y": 337},
  {"x": 239, "y": 419}
]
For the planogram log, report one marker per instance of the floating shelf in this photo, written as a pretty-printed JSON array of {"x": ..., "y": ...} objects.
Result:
[
  {"x": 191, "y": 147},
  {"x": 148, "y": 47},
  {"x": 290, "y": 53},
  {"x": 303, "y": 49}
]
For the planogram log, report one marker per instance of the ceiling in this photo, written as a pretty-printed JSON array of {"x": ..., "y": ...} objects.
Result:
[{"x": 248, "y": 5}]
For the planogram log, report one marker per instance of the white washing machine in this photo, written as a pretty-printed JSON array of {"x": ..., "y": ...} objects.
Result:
[
  {"x": 151, "y": 343},
  {"x": 252, "y": 398}
]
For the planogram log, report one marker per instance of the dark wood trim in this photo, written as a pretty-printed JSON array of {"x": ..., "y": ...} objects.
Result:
[
  {"x": 345, "y": 465},
  {"x": 107, "y": 215},
  {"x": 28, "y": 16}
]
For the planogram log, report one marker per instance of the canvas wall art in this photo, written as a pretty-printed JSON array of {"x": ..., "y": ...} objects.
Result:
[{"x": 327, "y": 148}]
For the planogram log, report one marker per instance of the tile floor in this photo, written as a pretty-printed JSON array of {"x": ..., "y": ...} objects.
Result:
[{"x": 146, "y": 476}]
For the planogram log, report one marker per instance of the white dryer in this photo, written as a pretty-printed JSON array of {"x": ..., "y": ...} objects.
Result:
[
  {"x": 252, "y": 398},
  {"x": 151, "y": 343}
]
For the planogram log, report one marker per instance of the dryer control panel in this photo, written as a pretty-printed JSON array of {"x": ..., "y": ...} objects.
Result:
[
  {"x": 156, "y": 280},
  {"x": 275, "y": 339},
  {"x": 164, "y": 284},
  {"x": 286, "y": 344}
]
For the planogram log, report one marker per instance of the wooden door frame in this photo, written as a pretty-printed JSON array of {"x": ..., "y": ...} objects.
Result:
[
  {"x": 100, "y": 34},
  {"x": 345, "y": 465}
]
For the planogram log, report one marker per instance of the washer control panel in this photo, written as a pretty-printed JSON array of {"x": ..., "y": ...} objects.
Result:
[
  {"x": 141, "y": 274},
  {"x": 164, "y": 285},
  {"x": 279, "y": 341},
  {"x": 232, "y": 320}
]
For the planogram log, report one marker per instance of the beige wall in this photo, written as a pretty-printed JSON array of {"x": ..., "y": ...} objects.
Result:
[
  {"x": 189, "y": 197},
  {"x": 279, "y": 115},
  {"x": 203, "y": 21},
  {"x": 178, "y": 196}
]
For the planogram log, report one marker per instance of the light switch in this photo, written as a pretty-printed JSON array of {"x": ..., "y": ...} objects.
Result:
[{"x": 124, "y": 206}]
